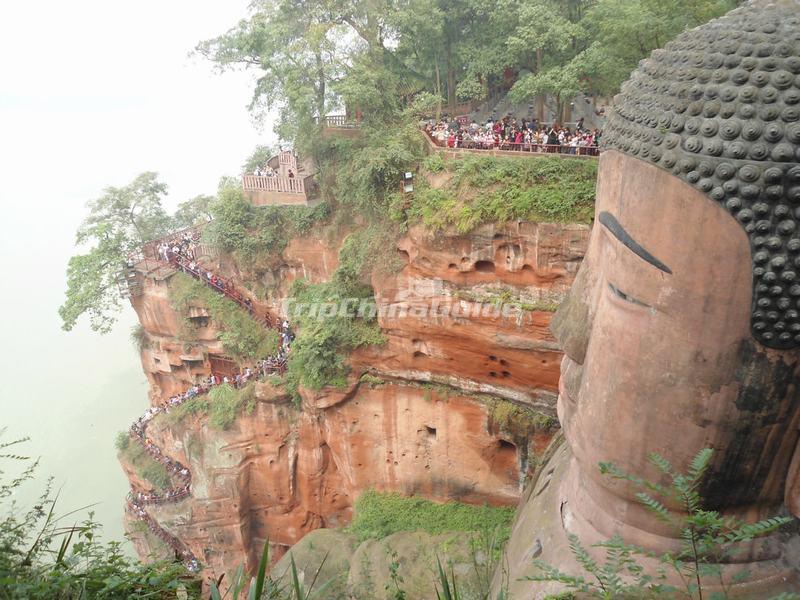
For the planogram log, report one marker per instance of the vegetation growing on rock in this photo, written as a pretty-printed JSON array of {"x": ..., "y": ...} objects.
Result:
[
  {"x": 243, "y": 337},
  {"x": 379, "y": 514}
]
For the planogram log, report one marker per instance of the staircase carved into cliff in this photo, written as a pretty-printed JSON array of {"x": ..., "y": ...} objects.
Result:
[{"x": 183, "y": 259}]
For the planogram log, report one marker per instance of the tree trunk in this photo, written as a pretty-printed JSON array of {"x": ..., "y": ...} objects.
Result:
[
  {"x": 438, "y": 92},
  {"x": 451, "y": 79},
  {"x": 320, "y": 88},
  {"x": 540, "y": 97}
]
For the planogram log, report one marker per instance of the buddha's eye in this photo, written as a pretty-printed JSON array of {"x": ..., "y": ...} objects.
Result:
[{"x": 626, "y": 297}]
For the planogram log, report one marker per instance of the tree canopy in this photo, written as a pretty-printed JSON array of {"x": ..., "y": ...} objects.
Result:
[
  {"x": 117, "y": 226},
  {"x": 119, "y": 222},
  {"x": 373, "y": 55}
]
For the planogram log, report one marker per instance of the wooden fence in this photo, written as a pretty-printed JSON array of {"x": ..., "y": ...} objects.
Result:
[{"x": 292, "y": 185}]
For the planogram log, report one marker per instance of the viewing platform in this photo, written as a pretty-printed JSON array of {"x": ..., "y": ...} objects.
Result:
[
  {"x": 286, "y": 182},
  {"x": 341, "y": 125},
  {"x": 507, "y": 148}
]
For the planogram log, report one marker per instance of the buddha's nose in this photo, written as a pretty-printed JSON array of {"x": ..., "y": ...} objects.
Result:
[{"x": 571, "y": 323}]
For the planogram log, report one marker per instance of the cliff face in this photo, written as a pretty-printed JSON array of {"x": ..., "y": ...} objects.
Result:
[{"x": 445, "y": 412}]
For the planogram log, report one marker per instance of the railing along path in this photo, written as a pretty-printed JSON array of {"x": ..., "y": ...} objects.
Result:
[
  {"x": 179, "y": 251},
  {"x": 503, "y": 145},
  {"x": 275, "y": 183}
]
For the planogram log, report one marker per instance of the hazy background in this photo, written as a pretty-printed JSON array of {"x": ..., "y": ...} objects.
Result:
[{"x": 92, "y": 93}]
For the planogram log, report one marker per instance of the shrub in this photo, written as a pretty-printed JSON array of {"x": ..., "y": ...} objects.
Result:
[
  {"x": 157, "y": 474},
  {"x": 44, "y": 558},
  {"x": 319, "y": 354},
  {"x": 224, "y": 403},
  {"x": 707, "y": 540},
  {"x": 122, "y": 441},
  {"x": 241, "y": 335},
  {"x": 139, "y": 337},
  {"x": 253, "y": 232},
  {"x": 146, "y": 466},
  {"x": 368, "y": 169},
  {"x": 485, "y": 189},
  {"x": 434, "y": 163}
]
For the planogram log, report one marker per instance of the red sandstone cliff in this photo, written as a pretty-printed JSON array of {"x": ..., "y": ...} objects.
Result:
[{"x": 435, "y": 418}]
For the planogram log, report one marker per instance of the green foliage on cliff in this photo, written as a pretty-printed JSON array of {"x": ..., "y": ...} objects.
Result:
[
  {"x": 251, "y": 233},
  {"x": 243, "y": 338},
  {"x": 371, "y": 166},
  {"x": 379, "y": 514},
  {"x": 45, "y": 556},
  {"x": 119, "y": 222},
  {"x": 486, "y": 189},
  {"x": 226, "y": 402},
  {"x": 337, "y": 316},
  {"x": 145, "y": 465},
  {"x": 222, "y": 405}
]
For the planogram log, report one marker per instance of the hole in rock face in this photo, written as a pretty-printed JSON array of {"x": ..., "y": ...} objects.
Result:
[
  {"x": 452, "y": 266},
  {"x": 492, "y": 374},
  {"x": 431, "y": 431},
  {"x": 492, "y": 357},
  {"x": 506, "y": 445},
  {"x": 506, "y": 374},
  {"x": 527, "y": 268},
  {"x": 199, "y": 321},
  {"x": 498, "y": 236},
  {"x": 403, "y": 254},
  {"x": 419, "y": 354},
  {"x": 503, "y": 362},
  {"x": 484, "y": 266}
]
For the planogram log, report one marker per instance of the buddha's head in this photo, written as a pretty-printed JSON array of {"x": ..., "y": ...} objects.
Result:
[{"x": 682, "y": 330}]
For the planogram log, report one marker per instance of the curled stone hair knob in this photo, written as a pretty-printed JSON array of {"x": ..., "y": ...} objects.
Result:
[{"x": 722, "y": 107}]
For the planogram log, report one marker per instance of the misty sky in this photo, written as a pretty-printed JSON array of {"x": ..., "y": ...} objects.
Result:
[{"x": 91, "y": 94}]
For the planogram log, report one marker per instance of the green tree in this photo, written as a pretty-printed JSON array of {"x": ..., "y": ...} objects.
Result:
[
  {"x": 296, "y": 46},
  {"x": 43, "y": 558},
  {"x": 562, "y": 82},
  {"x": 626, "y": 31},
  {"x": 258, "y": 158},
  {"x": 194, "y": 211},
  {"x": 119, "y": 222}
]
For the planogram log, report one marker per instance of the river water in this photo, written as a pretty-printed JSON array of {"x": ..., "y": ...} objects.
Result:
[{"x": 92, "y": 94}]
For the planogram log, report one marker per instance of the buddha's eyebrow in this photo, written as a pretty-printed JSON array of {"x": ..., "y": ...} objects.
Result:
[{"x": 618, "y": 231}]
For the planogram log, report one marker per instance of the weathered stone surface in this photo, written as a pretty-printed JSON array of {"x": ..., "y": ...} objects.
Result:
[
  {"x": 333, "y": 547},
  {"x": 415, "y": 553},
  {"x": 666, "y": 348},
  {"x": 428, "y": 421}
]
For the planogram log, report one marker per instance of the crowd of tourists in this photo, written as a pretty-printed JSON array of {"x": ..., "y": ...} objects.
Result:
[
  {"x": 268, "y": 171},
  {"x": 183, "y": 256},
  {"x": 181, "y": 244},
  {"x": 181, "y": 553},
  {"x": 180, "y": 251},
  {"x": 510, "y": 134}
]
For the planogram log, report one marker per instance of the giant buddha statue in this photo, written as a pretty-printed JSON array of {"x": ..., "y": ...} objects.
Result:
[{"x": 682, "y": 330}]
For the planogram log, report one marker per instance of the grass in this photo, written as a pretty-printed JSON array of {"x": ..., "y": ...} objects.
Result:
[
  {"x": 243, "y": 338},
  {"x": 222, "y": 405},
  {"x": 486, "y": 189},
  {"x": 519, "y": 421},
  {"x": 379, "y": 514},
  {"x": 139, "y": 337},
  {"x": 507, "y": 297},
  {"x": 319, "y": 354},
  {"x": 145, "y": 466}
]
